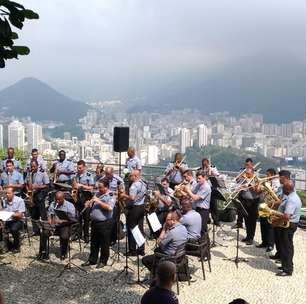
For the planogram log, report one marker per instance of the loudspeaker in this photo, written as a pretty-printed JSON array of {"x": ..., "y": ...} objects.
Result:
[{"x": 121, "y": 139}]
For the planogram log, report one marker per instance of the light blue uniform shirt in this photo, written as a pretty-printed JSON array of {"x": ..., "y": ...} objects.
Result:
[
  {"x": 66, "y": 206},
  {"x": 174, "y": 175},
  {"x": 16, "y": 164},
  {"x": 65, "y": 166},
  {"x": 193, "y": 222},
  {"x": 85, "y": 178},
  {"x": 15, "y": 178},
  {"x": 291, "y": 205},
  {"x": 97, "y": 213},
  {"x": 204, "y": 191},
  {"x": 42, "y": 166},
  {"x": 113, "y": 183},
  {"x": 138, "y": 190},
  {"x": 39, "y": 178},
  {"x": 133, "y": 163},
  {"x": 16, "y": 205},
  {"x": 174, "y": 238}
]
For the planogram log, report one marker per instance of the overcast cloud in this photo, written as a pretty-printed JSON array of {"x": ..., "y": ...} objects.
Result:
[{"x": 108, "y": 48}]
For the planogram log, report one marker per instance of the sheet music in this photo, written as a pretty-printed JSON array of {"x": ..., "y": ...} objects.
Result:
[
  {"x": 138, "y": 237},
  {"x": 154, "y": 222},
  {"x": 5, "y": 215}
]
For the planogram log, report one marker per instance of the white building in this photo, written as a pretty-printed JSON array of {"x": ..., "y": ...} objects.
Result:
[
  {"x": 202, "y": 135},
  {"x": 185, "y": 139},
  {"x": 16, "y": 135},
  {"x": 1, "y": 136},
  {"x": 153, "y": 152},
  {"x": 34, "y": 134}
]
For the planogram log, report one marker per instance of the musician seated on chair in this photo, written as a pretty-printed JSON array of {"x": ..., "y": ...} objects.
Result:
[
  {"x": 10, "y": 156},
  {"x": 175, "y": 169},
  {"x": 172, "y": 237},
  {"x": 62, "y": 227},
  {"x": 14, "y": 224},
  {"x": 11, "y": 178},
  {"x": 165, "y": 200},
  {"x": 191, "y": 220},
  {"x": 63, "y": 168}
]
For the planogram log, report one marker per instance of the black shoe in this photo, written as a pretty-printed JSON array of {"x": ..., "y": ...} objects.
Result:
[
  {"x": 16, "y": 250},
  {"x": 283, "y": 274},
  {"x": 274, "y": 257},
  {"x": 131, "y": 253},
  {"x": 262, "y": 245},
  {"x": 88, "y": 263},
  {"x": 100, "y": 265},
  {"x": 249, "y": 242},
  {"x": 245, "y": 240},
  {"x": 280, "y": 268},
  {"x": 269, "y": 249},
  {"x": 237, "y": 226},
  {"x": 278, "y": 261},
  {"x": 63, "y": 257},
  {"x": 86, "y": 239},
  {"x": 142, "y": 253}
]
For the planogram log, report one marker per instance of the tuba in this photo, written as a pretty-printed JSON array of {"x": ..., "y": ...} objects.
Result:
[
  {"x": 269, "y": 196},
  {"x": 272, "y": 215}
]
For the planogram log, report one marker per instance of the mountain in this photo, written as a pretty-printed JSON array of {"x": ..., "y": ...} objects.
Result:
[
  {"x": 272, "y": 83},
  {"x": 34, "y": 98}
]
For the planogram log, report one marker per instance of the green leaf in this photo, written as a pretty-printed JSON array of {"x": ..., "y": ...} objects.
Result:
[
  {"x": 14, "y": 36},
  {"x": 21, "y": 50},
  {"x": 2, "y": 63},
  {"x": 29, "y": 14},
  {"x": 15, "y": 21},
  {"x": 9, "y": 54}
]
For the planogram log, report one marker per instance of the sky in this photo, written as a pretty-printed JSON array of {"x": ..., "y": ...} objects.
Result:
[{"x": 100, "y": 49}]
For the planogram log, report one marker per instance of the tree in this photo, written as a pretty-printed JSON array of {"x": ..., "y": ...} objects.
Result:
[{"x": 12, "y": 14}]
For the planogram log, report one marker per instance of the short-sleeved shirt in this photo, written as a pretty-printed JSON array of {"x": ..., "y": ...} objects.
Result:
[
  {"x": 113, "y": 183},
  {"x": 15, "y": 178},
  {"x": 166, "y": 197},
  {"x": 16, "y": 205},
  {"x": 174, "y": 238},
  {"x": 204, "y": 191},
  {"x": 174, "y": 175},
  {"x": 65, "y": 166},
  {"x": 15, "y": 161},
  {"x": 133, "y": 163},
  {"x": 138, "y": 190},
  {"x": 85, "y": 178},
  {"x": 66, "y": 206},
  {"x": 42, "y": 166},
  {"x": 97, "y": 213},
  {"x": 193, "y": 222},
  {"x": 157, "y": 295},
  {"x": 291, "y": 205},
  {"x": 39, "y": 178}
]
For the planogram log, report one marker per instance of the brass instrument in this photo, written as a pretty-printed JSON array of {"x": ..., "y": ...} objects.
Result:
[
  {"x": 177, "y": 165},
  {"x": 151, "y": 202},
  {"x": 121, "y": 200},
  {"x": 30, "y": 192},
  {"x": 56, "y": 174},
  {"x": 74, "y": 192},
  {"x": 274, "y": 217},
  {"x": 179, "y": 189},
  {"x": 269, "y": 196}
]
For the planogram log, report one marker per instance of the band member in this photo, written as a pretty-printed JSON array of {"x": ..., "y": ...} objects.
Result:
[
  {"x": 162, "y": 293},
  {"x": 63, "y": 168},
  {"x": 113, "y": 179},
  {"x": 135, "y": 209},
  {"x": 41, "y": 163},
  {"x": 13, "y": 203},
  {"x": 191, "y": 220},
  {"x": 173, "y": 236},
  {"x": 188, "y": 177},
  {"x": 249, "y": 198},
  {"x": 62, "y": 227},
  {"x": 208, "y": 168},
  {"x": 165, "y": 200},
  {"x": 37, "y": 182},
  {"x": 267, "y": 233},
  {"x": 84, "y": 185},
  {"x": 248, "y": 164},
  {"x": 100, "y": 174},
  {"x": 132, "y": 162},
  {"x": 101, "y": 208},
  {"x": 174, "y": 171},
  {"x": 284, "y": 177},
  {"x": 10, "y": 156},
  {"x": 200, "y": 197},
  {"x": 11, "y": 178},
  {"x": 291, "y": 209}
]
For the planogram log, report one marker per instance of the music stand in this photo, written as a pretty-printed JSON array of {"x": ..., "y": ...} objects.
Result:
[{"x": 138, "y": 282}]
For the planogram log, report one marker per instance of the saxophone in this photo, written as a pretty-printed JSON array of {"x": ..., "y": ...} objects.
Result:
[
  {"x": 74, "y": 192},
  {"x": 30, "y": 193}
]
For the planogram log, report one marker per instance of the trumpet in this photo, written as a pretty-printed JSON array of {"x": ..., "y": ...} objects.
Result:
[
  {"x": 180, "y": 189},
  {"x": 178, "y": 165},
  {"x": 274, "y": 217}
]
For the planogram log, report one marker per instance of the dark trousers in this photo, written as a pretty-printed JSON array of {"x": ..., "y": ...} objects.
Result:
[
  {"x": 64, "y": 234},
  {"x": 267, "y": 233},
  {"x": 116, "y": 220},
  {"x": 239, "y": 217},
  {"x": 214, "y": 211},
  {"x": 287, "y": 248},
  {"x": 84, "y": 219},
  {"x": 204, "y": 216},
  {"x": 39, "y": 209},
  {"x": 14, "y": 228},
  {"x": 277, "y": 241},
  {"x": 100, "y": 240},
  {"x": 134, "y": 217},
  {"x": 251, "y": 207}
]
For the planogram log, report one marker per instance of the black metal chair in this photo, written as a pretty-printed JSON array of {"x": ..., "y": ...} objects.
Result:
[
  {"x": 200, "y": 248},
  {"x": 179, "y": 258}
]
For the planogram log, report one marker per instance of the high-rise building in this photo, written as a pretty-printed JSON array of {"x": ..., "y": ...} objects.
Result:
[
  {"x": 34, "y": 135},
  {"x": 1, "y": 136},
  {"x": 16, "y": 135},
  {"x": 185, "y": 139},
  {"x": 202, "y": 135}
]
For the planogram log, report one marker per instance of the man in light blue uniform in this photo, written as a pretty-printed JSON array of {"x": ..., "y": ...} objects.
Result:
[
  {"x": 13, "y": 203},
  {"x": 200, "y": 196},
  {"x": 291, "y": 209},
  {"x": 42, "y": 166},
  {"x": 113, "y": 179},
  {"x": 101, "y": 224},
  {"x": 10, "y": 156},
  {"x": 132, "y": 162},
  {"x": 12, "y": 178},
  {"x": 64, "y": 168}
]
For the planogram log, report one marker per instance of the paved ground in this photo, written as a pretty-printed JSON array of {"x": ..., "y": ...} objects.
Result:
[{"x": 255, "y": 281}]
